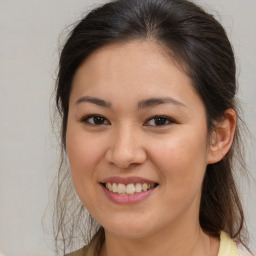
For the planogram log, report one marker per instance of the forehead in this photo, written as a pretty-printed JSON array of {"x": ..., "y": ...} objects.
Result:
[
  {"x": 138, "y": 69},
  {"x": 146, "y": 54}
]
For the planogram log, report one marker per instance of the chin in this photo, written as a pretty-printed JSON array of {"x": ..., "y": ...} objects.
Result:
[{"x": 127, "y": 230}]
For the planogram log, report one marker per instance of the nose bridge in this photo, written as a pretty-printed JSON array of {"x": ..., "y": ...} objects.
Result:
[
  {"x": 125, "y": 140},
  {"x": 126, "y": 146}
]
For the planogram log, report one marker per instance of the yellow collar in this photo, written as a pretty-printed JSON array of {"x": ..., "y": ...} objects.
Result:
[{"x": 227, "y": 246}]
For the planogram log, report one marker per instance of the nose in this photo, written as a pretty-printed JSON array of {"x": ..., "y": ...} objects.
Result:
[{"x": 126, "y": 148}]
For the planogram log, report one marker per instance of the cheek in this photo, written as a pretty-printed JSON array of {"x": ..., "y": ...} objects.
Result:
[
  {"x": 181, "y": 160},
  {"x": 84, "y": 153}
]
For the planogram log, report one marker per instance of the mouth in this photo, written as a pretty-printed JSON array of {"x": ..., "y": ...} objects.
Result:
[{"x": 128, "y": 189}]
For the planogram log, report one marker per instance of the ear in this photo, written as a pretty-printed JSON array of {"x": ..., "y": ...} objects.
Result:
[{"x": 222, "y": 136}]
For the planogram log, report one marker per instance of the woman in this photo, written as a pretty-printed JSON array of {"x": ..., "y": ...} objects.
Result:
[{"x": 146, "y": 92}]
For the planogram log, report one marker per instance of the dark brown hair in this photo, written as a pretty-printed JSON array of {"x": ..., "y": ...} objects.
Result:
[{"x": 197, "y": 41}]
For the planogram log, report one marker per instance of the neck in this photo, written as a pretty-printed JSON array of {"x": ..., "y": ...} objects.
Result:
[{"x": 189, "y": 242}]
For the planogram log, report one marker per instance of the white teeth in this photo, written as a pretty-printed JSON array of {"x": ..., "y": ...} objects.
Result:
[
  {"x": 114, "y": 188},
  {"x": 138, "y": 187},
  {"x": 145, "y": 187},
  {"x": 120, "y": 188},
  {"x": 129, "y": 189},
  {"x": 109, "y": 186}
]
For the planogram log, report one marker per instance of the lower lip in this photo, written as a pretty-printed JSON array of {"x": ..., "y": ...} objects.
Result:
[{"x": 127, "y": 199}]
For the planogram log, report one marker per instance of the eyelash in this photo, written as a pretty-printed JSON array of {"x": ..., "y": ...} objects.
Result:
[
  {"x": 167, "y": 120},
  {"x": 93, "y": 117},
  {"x": 164, "y": 120}
]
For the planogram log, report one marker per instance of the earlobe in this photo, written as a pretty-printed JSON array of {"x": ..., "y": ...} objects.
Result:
[{"x": 222, "y": 136}]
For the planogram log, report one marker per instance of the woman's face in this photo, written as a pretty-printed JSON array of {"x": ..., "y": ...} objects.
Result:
[{"x": 136, "y": 140}]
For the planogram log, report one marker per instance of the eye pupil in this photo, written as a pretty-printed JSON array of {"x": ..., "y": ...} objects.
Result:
[
  {"x": 160, "y": 121},
  {"x": 98, "y": 120}
]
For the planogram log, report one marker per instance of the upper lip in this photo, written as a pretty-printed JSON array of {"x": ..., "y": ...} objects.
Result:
[{"x": 127, "y": 180}]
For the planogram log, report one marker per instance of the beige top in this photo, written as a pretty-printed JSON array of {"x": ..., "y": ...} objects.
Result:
[{"x": 227, "y": 248}]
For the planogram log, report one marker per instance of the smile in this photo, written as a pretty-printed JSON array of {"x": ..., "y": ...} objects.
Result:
[{"x": 129, "y": 189}]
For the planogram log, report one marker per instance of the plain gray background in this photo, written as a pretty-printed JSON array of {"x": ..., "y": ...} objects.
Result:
[{"x": 29, "y": 32}]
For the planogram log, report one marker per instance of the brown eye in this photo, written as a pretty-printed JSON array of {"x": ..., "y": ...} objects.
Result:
[
  {"x": 159, "y": 121},
  {"x": 95, "y": 120}
]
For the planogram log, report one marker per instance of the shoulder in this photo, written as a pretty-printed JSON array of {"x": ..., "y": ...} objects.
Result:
[{"x": 81, "y": 252}]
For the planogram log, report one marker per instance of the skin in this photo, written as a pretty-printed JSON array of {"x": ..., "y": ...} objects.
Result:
[{"x": 128, "y": 142}]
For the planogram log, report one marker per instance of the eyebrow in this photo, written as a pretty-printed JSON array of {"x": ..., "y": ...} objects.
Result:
[
  {"x": 94, "y": 100},
  {"x": 148, "y": 103},
  {"x": 152, "y": 102}
]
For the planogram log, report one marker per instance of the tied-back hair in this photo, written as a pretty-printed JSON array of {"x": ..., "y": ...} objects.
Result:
[{"x": 199, "y": 44}]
